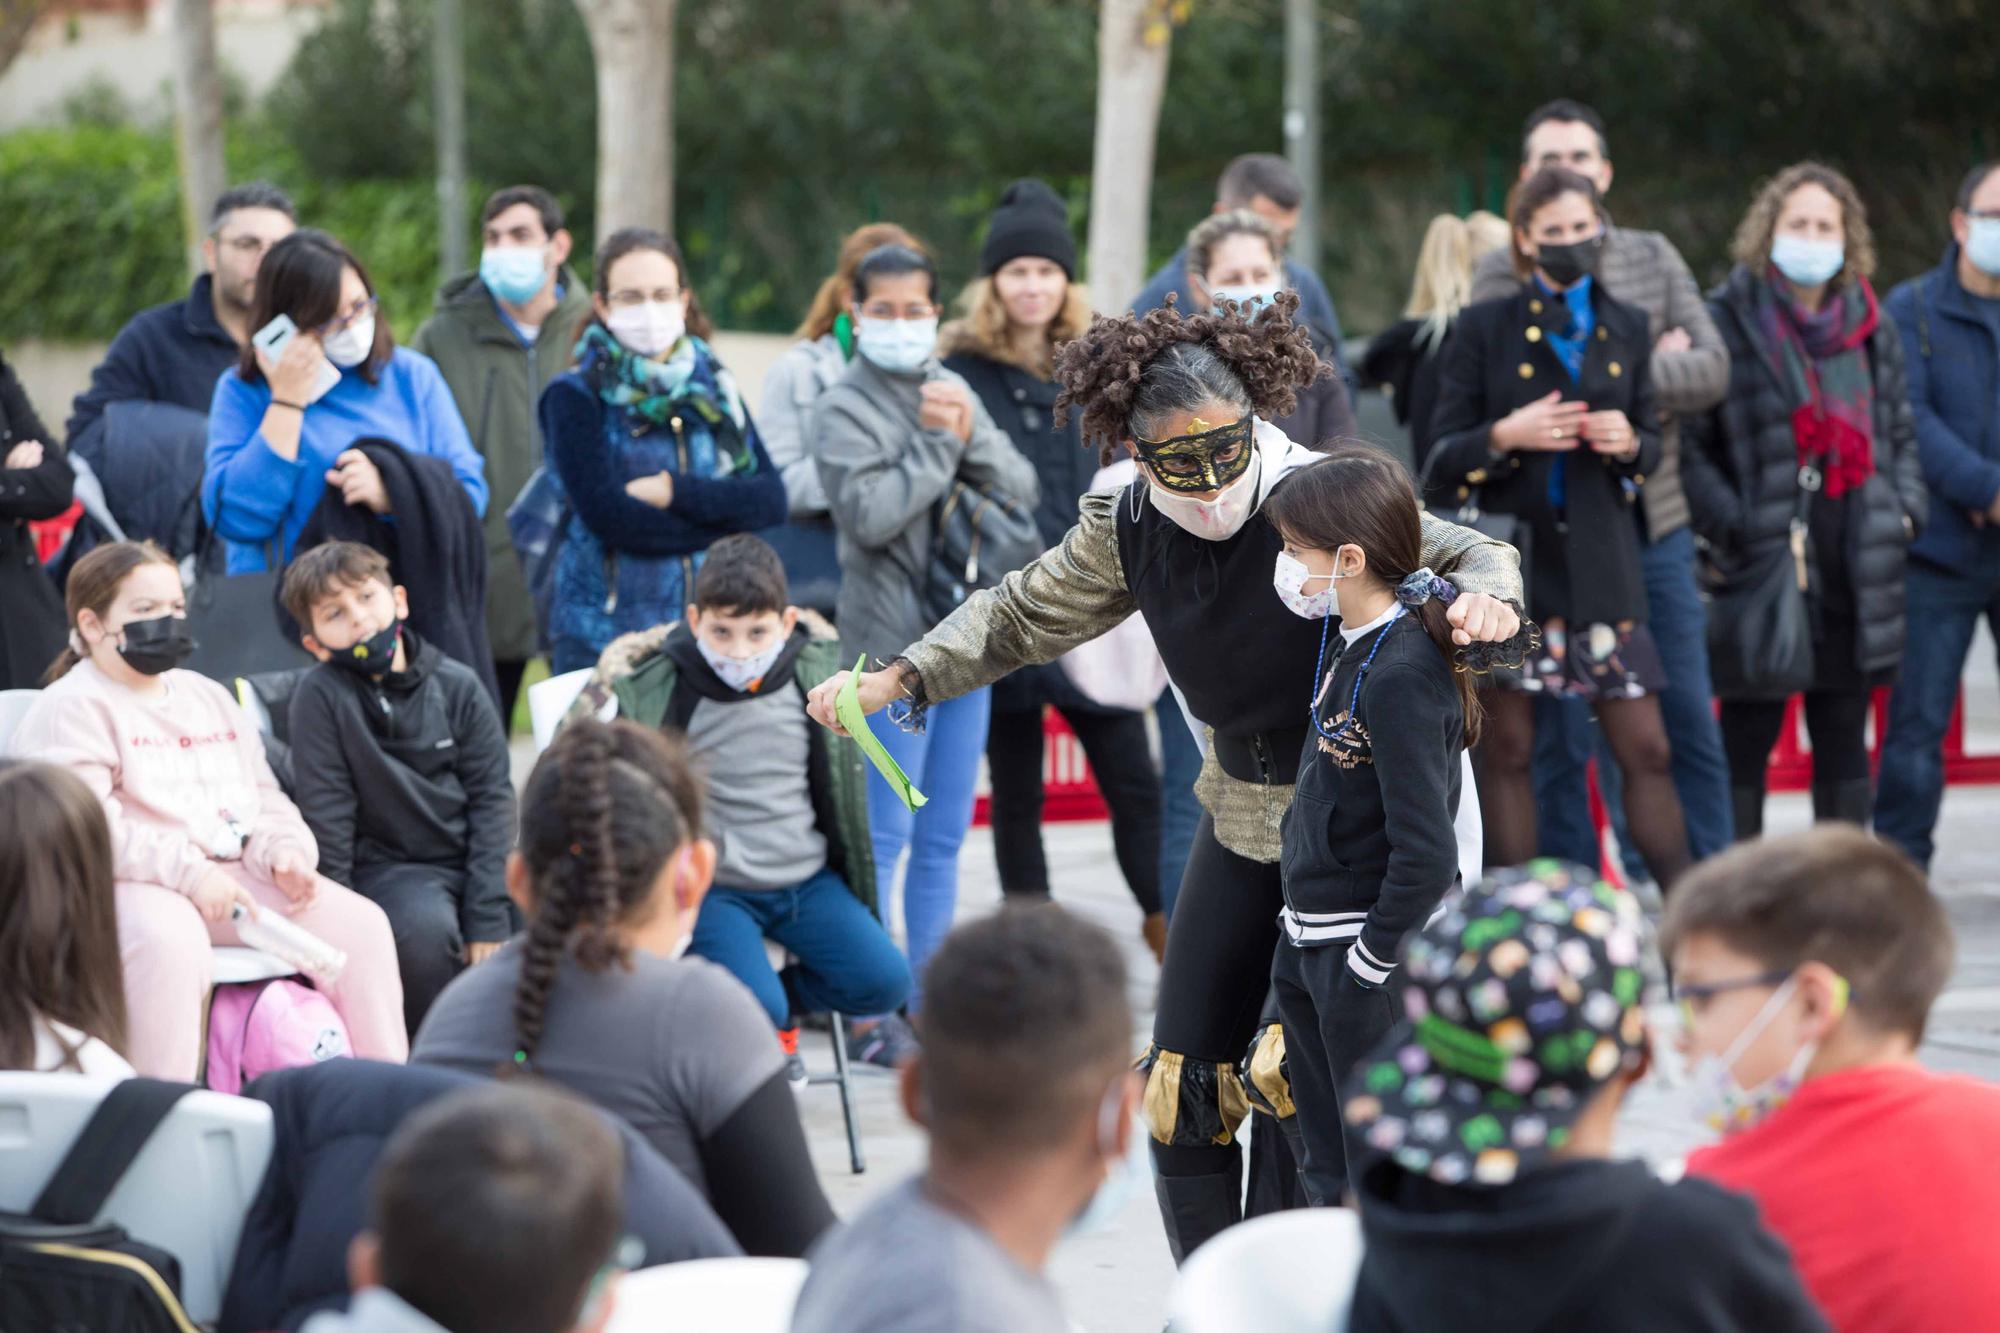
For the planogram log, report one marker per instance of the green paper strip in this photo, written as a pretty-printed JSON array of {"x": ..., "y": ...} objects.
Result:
[{"x": 847, "y": 708}]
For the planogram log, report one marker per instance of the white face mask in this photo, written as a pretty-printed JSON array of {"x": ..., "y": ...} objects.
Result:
[
  {"x": 1123, "y": 1174},
  {"x": 651, "y": 329},
  {"x": 1724, "y": 1104},
  {"x": 1249, "y": 300},
  {"x": 1290, "y": 578},
  {"x": 351, "y": 346},
  {"x": 1211, "y": 520},
  {"x": 899, "y": 345},
  {"x": 739, "y": 673}
]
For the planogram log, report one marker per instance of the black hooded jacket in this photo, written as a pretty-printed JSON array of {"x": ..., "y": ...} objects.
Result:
[{"x": 1598, "y": 1245}]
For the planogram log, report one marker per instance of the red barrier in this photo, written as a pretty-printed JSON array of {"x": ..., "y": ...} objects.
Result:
[{"x": 1791, "y": 760}]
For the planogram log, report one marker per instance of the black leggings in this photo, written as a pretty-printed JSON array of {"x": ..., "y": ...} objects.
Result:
[
  {"x": 1638, "y": 740},
  {"x": 1120, "y": 756},
  {"x": 1836, "y": 720}
]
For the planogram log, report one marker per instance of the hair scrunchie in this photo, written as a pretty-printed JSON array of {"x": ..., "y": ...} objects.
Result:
[{"x": 1422, "y": 586}]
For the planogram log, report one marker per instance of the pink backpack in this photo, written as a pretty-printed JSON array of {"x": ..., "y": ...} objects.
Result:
[{"x": 257, "y": 1026}]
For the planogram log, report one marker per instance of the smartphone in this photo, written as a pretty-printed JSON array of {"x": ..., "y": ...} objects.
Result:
[{"x": 275, "y": 337}]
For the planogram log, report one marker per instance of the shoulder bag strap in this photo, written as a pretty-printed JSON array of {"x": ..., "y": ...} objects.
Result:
[{"x": 115, "y": 1135}]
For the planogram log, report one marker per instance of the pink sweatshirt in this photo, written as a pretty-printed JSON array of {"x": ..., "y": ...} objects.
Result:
[{"x": 182, "y": 774}]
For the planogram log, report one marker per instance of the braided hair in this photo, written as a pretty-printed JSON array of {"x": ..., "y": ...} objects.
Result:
[
  {"x": 606, "y": 808},
  {"x": 1129, "y": 371}
]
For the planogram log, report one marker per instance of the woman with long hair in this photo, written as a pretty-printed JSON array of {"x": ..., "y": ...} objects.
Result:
[
  {"x": 597, "y": 995},
  {"x": 1189, "y": 396},
  {"x": 1814, "y": 447},
  {"x": 199, "y": 826},
  {"x": 1406, "y": 357},
  {"x": 1025, "y": 304},
  {"x": 651, "y": 443},
  {"x": 1546, "y": 413},
  {"x": 62, "y": 989}
]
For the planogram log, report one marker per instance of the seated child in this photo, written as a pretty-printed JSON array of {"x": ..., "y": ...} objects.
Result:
[
  {"x": 400, "y": 768},
  {"x": 787, "y": 800},
  {"x": 198, "y": 823},
  {"x": 62, "y": 994},
  {"x": 494, "y": 1210},
  {"x": 1806, "y": 967},
  {"x": 1496, "y": 1202}
]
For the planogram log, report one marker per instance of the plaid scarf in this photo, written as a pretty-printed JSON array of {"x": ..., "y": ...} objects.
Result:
[
  {"x": 690, "y": 378},
  {"x": 1827, "y": 376}
]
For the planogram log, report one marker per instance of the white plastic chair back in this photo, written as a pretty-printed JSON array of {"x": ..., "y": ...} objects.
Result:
[
  {"x": 549, "y": 700},
  {"x": 188, "y": 1191},
  {"x": 14, "y": 705},
  {"x": 701, "y": 1295},
  {"x": 1289, "y": 1272}
]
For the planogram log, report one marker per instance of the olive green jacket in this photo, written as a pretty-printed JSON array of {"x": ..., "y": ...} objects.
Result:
[{"x": 497, "y": 383}]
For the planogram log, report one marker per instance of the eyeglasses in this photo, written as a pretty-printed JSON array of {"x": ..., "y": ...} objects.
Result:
[
  {"x": 1687, "y": 997},
  {"x": 365, "y": 306}
]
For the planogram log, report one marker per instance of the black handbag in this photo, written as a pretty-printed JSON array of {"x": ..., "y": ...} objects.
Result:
[
  {"x": 1759, "y": 625},
  {"x": 979, "y": 537},
  {"x": 236, "y": 629},
  {"x": 62, "y": 1268}
]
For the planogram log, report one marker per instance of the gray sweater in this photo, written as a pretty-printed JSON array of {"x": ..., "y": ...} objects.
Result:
[
  {"x": 884, "y": 475},
  {"x": 1642, "y": 269},
  {"x": 792, "y": 386}
]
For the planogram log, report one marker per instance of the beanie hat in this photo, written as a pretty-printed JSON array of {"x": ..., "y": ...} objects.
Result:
[{"x": 1031, "y": 220}]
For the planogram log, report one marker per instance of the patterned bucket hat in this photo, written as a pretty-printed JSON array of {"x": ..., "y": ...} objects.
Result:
[{"x": 1526, "y": 995}]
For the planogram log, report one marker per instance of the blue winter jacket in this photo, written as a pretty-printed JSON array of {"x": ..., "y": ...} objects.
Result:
[
  {"x": 1951, "y": 344},
  {"x": 625, "y": 565},
  {"x": 252, "y": 496}
]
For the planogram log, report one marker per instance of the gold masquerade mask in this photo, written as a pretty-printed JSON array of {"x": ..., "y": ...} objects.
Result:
[{"x": 1206, "y": 460}]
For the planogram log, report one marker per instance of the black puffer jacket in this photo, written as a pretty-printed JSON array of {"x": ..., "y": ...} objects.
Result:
[{"x": 1740, "y": 466}]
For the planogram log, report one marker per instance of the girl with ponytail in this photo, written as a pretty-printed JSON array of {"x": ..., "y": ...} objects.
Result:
[
  {"x": 597, "y": 996},
  {"x": 1392, "y": 710}
]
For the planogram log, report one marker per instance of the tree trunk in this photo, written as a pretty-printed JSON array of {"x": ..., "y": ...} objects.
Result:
[
  {"x": 633, "y": 44},
  {"x": 448, "y": 89},
  {"x": 1134, "y": 39},
  {"x": 1302, "y": 121},
  {"x": 197, "y": 117},
  {"x": 17, "y": 20}
]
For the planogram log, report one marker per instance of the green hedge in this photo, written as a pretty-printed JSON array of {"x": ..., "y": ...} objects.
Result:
[{"x": 90, "y": 228}]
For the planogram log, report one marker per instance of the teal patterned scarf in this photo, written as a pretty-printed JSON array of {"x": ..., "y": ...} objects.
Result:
[{"x": 689, "y": 379}]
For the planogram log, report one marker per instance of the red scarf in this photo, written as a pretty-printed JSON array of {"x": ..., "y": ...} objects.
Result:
[{"x": 1826, "y": 367}]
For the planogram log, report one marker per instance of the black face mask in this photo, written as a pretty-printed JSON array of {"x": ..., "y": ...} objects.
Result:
[
  {"x": 155, "y": 646},
  {"x": 1567, "y": 264},
  {"x": 372, "y": 656}
]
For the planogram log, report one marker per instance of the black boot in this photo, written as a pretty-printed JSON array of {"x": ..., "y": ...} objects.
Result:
[
  {"x": 1848, "y": 801},
  {"x": 1748, "y": 803},
  {"x": 1194, "y": 1208}
]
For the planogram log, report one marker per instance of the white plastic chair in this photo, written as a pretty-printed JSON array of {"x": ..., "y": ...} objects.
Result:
[
  {"x": 1289, "y": 1272},
  {"x": 14, "y": 705},
  {"x": 549, "y": 700},
  {"x": 701, "y": 1295},
  {"x": 188, "y": 1191}
]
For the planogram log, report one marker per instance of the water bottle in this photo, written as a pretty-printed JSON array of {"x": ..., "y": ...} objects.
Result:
[{"x": 289, "y": 942}]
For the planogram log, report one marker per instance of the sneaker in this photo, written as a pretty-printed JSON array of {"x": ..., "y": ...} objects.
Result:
[
  {"x": 795, "y": 1065},
  {"x": 886, "y": 1043}
]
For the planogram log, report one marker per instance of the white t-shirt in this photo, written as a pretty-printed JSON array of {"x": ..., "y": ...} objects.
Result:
[{"x": 93, "y": 1057}]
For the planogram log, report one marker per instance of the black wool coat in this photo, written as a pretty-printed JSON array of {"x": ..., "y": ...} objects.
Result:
[
  {"x": 1740, "y": 466},
  {"x": 31, "y": 613},
  {"x": 1585, "y": 560}
]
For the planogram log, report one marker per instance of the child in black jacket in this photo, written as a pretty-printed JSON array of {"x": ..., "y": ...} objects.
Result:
[
  {"x": 400, "y": 768},
  {"x": 1368, "y": 844}
]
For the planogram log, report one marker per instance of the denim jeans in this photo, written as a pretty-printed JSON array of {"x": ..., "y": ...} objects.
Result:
[
  {"x": 1944, "y": 608},
  {"x": 1565, "y": 734},
  {"x": 1180, "y": 812},
  {"x": 847, "y": 964},
  {"x": 943, "y": 760}
]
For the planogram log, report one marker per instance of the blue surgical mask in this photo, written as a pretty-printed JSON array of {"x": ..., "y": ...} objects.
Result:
[
  {"x": 514, "y": 273},
  {"x": 1807, "y": 262},
  {"x": 1982, "y": 246},
  {"x": 1249, "y": 300},
  {"x": 1123, "y": 1174},
  {"x": 898, "y": 345}
]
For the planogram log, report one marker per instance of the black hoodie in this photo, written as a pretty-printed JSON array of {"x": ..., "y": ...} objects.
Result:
[
  {"x": 1593, "y": 1245},
  {"x": 410, "y": 768}
]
